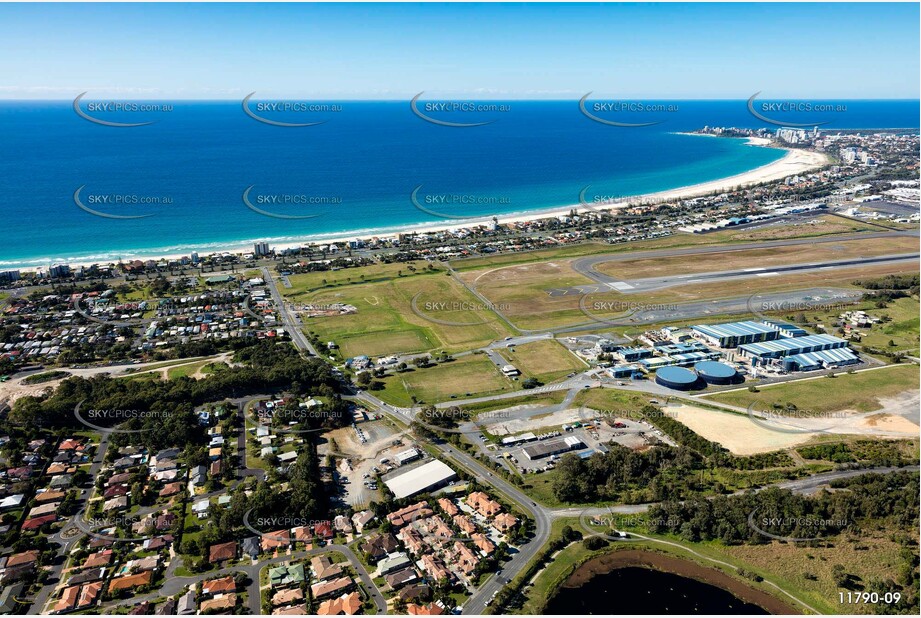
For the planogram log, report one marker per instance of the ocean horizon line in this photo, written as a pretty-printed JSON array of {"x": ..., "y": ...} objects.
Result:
[{"x": 70, "y": 98}]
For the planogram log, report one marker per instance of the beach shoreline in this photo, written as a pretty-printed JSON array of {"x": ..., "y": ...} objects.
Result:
[{"x": 794, "y": 162}]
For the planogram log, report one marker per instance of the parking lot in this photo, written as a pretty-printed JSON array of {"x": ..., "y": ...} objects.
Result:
[{"x": 359, "y": 450}]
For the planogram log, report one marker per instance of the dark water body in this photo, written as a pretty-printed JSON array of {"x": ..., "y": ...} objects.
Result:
[{"x": 636, "y": 590}]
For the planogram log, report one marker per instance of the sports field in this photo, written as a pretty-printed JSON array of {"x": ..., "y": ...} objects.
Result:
[{"x": 471, "y": 375}]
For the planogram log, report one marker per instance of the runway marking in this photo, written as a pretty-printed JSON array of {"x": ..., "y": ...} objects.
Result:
[
  {"x": 621, "y": 286},
  {"x": 771, "y": 274},
  {"x": 748, "y": 270}
]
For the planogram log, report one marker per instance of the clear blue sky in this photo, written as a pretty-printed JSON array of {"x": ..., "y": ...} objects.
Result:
[{"x": 377, "y": 51}]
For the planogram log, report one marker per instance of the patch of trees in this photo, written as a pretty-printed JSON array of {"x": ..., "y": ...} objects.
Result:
[
  {"x": 616, "y": 475},
  {"x": 908, "y": 283},
  {"x": 168, "y": 406},
  {"x": 747, "y": 517},
  {"x": 867, "y": 452}
]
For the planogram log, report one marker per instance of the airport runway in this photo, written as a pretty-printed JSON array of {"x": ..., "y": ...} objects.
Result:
[
  {"x": 586, "y": 266},
  {"x": 744, "y": 305},
  {"x": 606, "y": 283}
]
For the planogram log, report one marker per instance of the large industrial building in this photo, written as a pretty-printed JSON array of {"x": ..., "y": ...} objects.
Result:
[
  {"x": 786, "y": 329},
  {"x": 780, "y": 348},
  {"x": 811, "y": 361},
  {"x": 552, "y": 447},
  {"x": 631, "y": 355},
  {"x": 426, "y": 477},
  {"x": 734, "y": 334}
]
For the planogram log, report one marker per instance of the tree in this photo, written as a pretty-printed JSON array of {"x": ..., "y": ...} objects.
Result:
[
  {"x": 531, "y": 383},
  {"x": 594, "y": 543}
]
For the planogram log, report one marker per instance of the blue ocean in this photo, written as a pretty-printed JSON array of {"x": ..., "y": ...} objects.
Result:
[{"x": 177, "y": 184}]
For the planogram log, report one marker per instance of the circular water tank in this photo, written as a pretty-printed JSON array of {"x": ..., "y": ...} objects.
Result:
[
  {"x": 714, "y": 372},
  {"x": 677, "y": 378}
]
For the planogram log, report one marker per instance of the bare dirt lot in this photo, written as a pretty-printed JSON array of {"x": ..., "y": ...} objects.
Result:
[
  {"x": 357, "y": 458},
  {"x": 744, "y": 436}
]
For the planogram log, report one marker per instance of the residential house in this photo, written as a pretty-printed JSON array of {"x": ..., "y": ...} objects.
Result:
[
  {"x": 504, "y": 522},
  {"x": 323, "y": 568},
  {"x": 220, "y": 603},
  {"x": 483, "y": 504},
  {"x": 333, "y": 587},
  {"x": 219, "y": 585},
  {"x": 222, "y": 552},
  {"x": 347, "y": 604}
]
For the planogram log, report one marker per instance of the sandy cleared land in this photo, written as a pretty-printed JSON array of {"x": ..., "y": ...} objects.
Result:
[
  {"x": 363, "y": 457},
  {"x": 745, "y": 436}
]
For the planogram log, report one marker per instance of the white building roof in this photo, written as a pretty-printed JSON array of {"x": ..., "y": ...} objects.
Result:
[{"x": 419, "y": 479}]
